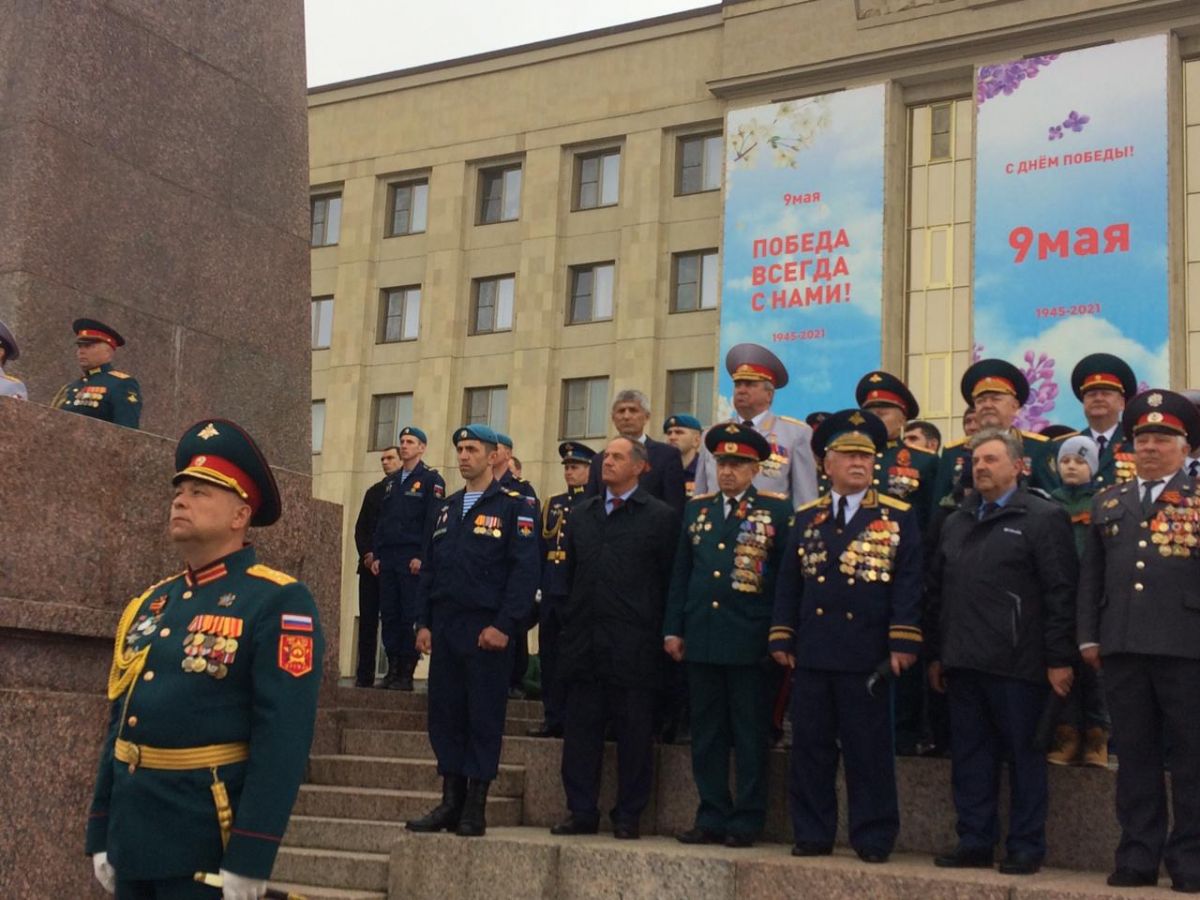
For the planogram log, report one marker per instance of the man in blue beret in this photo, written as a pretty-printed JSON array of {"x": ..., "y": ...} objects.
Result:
[
  {"x": 411, "y": 497},
  {"x": 101, "y": 392},
  {"x": 683, "y": 433},
  {"x": 478, "y": 579},
  {"x": 210, "y": 664}
]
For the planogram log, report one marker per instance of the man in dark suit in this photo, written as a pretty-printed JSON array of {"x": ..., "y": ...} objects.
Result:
[
  {"x": 368, "y": 581},
  {"x": 1000, "y": 607},
  {"x": 1139, "y": 613},
  {"x": 663, "y": 475},
  {"x": 620, "y": 547}
]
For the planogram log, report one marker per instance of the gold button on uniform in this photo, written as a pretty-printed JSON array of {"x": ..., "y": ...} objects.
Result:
[
  {"x": 716, "y": 574},
  {"x": 820, "y": 612},
  {"x": 1141, "y": 564},
  {"x": 148, "y": 676},
  {"x": 1138, "y": 586},
  {"x": 849, "y": 615},
  {"x": 720, "y": 546},
  {"x": 166, "y": 632},
  {"x": 187, "y": 595},
  {"x": 820, "y": 579},
  {"x": 1142, "y": 544},
  {"x": 132, "y": 720},
  {"x": 716, "y": 605}
]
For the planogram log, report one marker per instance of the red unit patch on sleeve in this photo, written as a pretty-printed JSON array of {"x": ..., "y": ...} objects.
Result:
[{"x": 296, "y": 654}]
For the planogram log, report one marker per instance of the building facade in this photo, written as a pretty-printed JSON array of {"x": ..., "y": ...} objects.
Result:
[{"x": 512, "y": 237}]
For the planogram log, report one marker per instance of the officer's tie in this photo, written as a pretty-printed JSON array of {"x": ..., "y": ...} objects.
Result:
[
  {"x": 747, "y": 423},
  {"x": 616, "y": 503},
  {"x": 1148, "y": 497},
  {"x": 1194, "y": 468},
  {"x": 732, "y": 510},
  {"x": 840, "y": 519},
  {"x": 1101, "y": 443}
]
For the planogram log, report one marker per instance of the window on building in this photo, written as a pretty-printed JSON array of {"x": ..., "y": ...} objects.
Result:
[
  {"x": 399, "y": 314},
  {"x": 941, "y": 117},
  {"x": 499, "y": 194},
  {"x": 584, "y": 408},
  {"x": 699, "y": 163},
  {"x": 318, "y": 425},
  {"x": 493, "y": 304},
  {"x": 694, "y": 281},
  {"x": 597, "y": 179},
  {"x": 487, "y": 406},
  {"x": 326, "y": 212},
  {"x": 408, "y": 205},
  {"x": 389, "y": 413},
  {"x": 690, "y": 391},
  {"x": 322, "y": 322},
  {"x": 591, "y": 293}
]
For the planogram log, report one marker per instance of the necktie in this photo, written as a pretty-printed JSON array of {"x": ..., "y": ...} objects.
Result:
[
  {"x": 1148, "y": 497},
  {"x": 732, "y": 510},
  {"x": 985, "y": 509},
  {"x": 1194, "y": 468},
  {"x": 747, "y": 423},
  {"x": 840, "y": 519},
  {"x": 617, "y": 503},
  {"x": 1101, "y": 443}
]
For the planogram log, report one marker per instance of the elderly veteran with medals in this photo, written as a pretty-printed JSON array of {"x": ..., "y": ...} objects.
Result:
[
  {"x": 717, "y": 618},
  {"x": 789, "y": 470},
  {"x": 996, "y": 390},
  {"x": 1139, "y": 619},
  {"x": 847, "y": 607},
  {"x": 1104, "y": 384},
  {"x": 180, "y": 792}
]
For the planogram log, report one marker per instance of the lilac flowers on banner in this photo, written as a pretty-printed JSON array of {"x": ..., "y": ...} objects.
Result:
[
  {"x": 1055, "y": 133},
  {"x": 1005, "y": 78},
  {"x": 1074, "y": 122},
  {"x": 1043, "y": 391}
]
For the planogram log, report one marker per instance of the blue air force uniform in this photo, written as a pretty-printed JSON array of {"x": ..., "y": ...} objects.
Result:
[
  {"x": 102, "y": 392},
  {"x": 481, "y": 569},
  {"x": 410, "y": 502},
  {"x": 846, "y": 599}
]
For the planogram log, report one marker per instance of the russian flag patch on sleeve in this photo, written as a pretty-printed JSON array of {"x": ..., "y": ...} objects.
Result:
[{"x": 292, "y": 622}]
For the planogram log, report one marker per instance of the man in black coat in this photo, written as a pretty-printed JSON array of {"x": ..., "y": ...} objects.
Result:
[
  {"x": 663, "y": 475},
  {"x": 1139, "y": 613},
  {"x": 1000, "y": 625},
  {"x": 368, "y": 580},
  {"x": 620, "y": 549}
]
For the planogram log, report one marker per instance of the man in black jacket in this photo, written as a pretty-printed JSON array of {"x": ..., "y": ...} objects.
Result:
[
  {"x": 368, "y": 580},
  {"x": 1000, "y": 624},
  {"x": 620, "y": 548},
  {"x": 663, "y": 474}
]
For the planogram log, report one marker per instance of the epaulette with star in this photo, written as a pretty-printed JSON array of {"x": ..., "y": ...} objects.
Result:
[
  {"x": 790, "y": 419},
  {"x": 704, "y": 496},
  {"x": 1034, "y": 436},
  {"x": 269, "y": 574},
  {"x": 888, "y": 500},
  {"x": 812, "y": 504},
  {"x": 115, "y": 374},
  {"x": 774, "y": 495},
  {"x": 920, "y": 450}
]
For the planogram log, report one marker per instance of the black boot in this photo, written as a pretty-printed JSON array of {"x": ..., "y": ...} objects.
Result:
[
  {"x": 445, "y": 816},
  {"x": 405, "y": 680},
  {"x": 472, "y": 823},
  {"x": 395, "y": 669}
]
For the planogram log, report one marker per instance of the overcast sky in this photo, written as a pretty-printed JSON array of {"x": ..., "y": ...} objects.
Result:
[{"x": 351, "y": 38}]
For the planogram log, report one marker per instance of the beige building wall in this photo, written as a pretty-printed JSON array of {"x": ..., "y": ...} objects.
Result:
[{"x": 639, "y": 89}]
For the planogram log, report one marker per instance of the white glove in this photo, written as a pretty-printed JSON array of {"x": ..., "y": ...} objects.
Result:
[
  {"x": 104, "y": 872},
  {"x": 239, "y": 887}
]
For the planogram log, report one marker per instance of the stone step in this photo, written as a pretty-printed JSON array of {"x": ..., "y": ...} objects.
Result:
[
  {"x": 348, "y": 697},
  {"x": 415, "y": 745},
  {"x": 529, "y": 862},
  {"x": 399, "y": 773},
  {"x": 332, "y": 868},
  {"x": 378, "y": 804},
  {"x": 390, "y": 719},
  {"x": 317, "y": 892},
  {"x": 354, "y": 835}
]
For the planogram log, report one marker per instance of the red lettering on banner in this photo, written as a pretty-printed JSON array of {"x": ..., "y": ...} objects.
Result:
[{"x": 1087, "y": 242}]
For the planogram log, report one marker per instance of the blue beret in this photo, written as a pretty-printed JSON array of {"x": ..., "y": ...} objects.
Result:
[
  {"x": 478, "y": 432},
  {"x": 504, "y": 439},
  {"x": 682, "y": 420},
  {"x": 414, "y": 431}
]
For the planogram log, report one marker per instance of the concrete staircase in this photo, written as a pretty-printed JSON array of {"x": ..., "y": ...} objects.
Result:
[{"x": 352, "y": 808}]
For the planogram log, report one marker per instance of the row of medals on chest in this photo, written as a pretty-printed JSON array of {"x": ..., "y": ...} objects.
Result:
[
  {"x": 1176, "y": 529},
  {"x": 869, "y": 557},
  {"x": 756, "y": 534}
]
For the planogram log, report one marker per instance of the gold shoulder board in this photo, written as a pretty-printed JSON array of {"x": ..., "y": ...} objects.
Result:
[
  {"x": 887, "y": 500},
  {"x": 269, "y": 574}
]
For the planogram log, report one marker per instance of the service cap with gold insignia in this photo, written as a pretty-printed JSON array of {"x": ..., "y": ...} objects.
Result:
[
  {"x": 90, "y": 331},
  {"x": 9, "y": 343},
  {"x": 1165, "y": 412},
  {"x": 573, "y": 451},
  {"x": 881, "y": 388},
  {"x": 994, "y": 375},
  {"x": 737, "y": 441},
  {"x": 850, "y": 431},
  {"x": 682, "y": 420},
  {"x": 221, "y": 452},
  {"x": 477, "y": 432},
  {"x": 1103, "y": 371},
  {"x": 813, "y": 419},
  {"x": 751, "y": 362},
  {"x": 413, "y": 431}
]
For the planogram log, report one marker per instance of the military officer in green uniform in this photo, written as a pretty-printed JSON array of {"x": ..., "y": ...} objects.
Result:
[
  {"x": 101, "y": 392},
  {"x": 1104, "y": 384},
  {"x": 213, "y": 686},
  {"x": 717, "y": 618},
  {"x": 904, "y": 472},
  {"x": 996, "y": 390}
]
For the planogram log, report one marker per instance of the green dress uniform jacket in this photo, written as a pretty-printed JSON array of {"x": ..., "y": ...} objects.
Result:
[
  {"x": 227, "y": 655},
  {"x": 1041, "y": 466},
  {"x": 103, "y": 393},
  {"x": 723, "y": 585},
  {"x": 1117, "y": 463}
]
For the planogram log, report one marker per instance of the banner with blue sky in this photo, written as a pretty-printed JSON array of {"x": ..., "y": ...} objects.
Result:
[
  {"x": 803, "y": 243},
  {"x": 1071, "y": 217}
]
